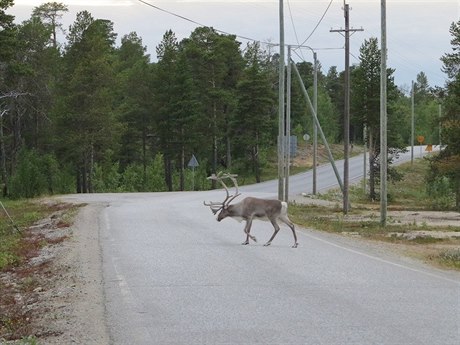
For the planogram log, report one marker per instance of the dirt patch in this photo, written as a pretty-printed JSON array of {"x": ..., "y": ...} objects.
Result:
[
  {"x": 430, "y": 236},
  {"x": 56, "y": 295},
  {"x": 394, "y": 217}
]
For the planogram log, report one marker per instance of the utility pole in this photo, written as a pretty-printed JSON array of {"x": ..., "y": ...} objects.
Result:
[
  {"x": 365, "y": 160},
  {"x": 383, "y": 117},
  {"x": 288, "y": 126},
  {"x": 281, "y": 170},
  {"x": 412, "y": 126},
  {"x": 440, "y": 123},
  {"x": 315, "y": 128},
  {"x": 346, "y": 118}
]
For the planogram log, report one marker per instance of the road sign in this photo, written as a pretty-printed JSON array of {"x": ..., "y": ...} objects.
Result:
[
  {"x": 193, "y": 163},
  {"x": 306, "y": 137},
  {"x": 420, "y": 139}
]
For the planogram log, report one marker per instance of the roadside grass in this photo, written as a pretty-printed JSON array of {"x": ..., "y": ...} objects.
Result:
[
  {"x": 270, "y": 171},
  {"x": 363, "y": 220},
  {"x": 407, "y": 194},
  {"x": 18, "y": 280},
  {"x": 24, "y": 213},
  {"x": 451, "y": 258}
]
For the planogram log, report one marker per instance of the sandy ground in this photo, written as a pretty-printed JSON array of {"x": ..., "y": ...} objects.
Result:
[{"x": 421, "y": 218}]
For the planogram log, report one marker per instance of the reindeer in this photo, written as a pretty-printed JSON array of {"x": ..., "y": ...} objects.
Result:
[{"x": 249, "y": 209}]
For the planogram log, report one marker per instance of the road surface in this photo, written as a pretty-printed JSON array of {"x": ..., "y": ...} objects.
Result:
[
  {"x": 173, "y": 275},
  {"x": 326, "y": 179}
]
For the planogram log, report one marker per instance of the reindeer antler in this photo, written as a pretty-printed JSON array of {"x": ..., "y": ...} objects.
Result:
[{"x": 217, "y": 206}]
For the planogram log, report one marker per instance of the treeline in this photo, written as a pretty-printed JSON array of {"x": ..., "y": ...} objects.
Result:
[{"x": 90, "y": 116}]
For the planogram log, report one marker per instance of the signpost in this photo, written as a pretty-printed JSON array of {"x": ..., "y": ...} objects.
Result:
[{"x": 193, "y": 163}]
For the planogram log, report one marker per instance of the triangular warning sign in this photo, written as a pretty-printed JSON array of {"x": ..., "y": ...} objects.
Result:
[{"x": 193, "y": 163}]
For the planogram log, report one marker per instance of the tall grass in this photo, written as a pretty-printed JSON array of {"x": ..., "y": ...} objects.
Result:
[{"x": 24, "y": 213}]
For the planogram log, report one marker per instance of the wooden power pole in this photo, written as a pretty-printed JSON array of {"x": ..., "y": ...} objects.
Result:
[
  {"x": 383, "y": 117},
  {"x": 346, "y": 117}
]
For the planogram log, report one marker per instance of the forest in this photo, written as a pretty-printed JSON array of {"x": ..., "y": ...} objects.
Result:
[{"x": 87, "y": 115}]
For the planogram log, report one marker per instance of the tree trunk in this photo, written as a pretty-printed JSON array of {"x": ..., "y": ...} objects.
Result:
[
  {"x": 144, "y": 159},
  {"x": 229, "y": 154},
  {"x": 84, "y": 174},
  {"x": 255, "y": 154},
  {"x": 168, "y": 172},
  {"x": 214, "y": 144},
  {"x": 78, "y": 180},
  {"x": 91, "y": 170},
  {"x": 3, "y": 157},
  {"x": 182, "y": 168}
]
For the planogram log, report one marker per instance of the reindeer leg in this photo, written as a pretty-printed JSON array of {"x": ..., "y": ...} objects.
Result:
[
  {"x": 277, "y": 228},
  {"x": 286, "y": 221},
  {"x": 247, "y": 229}
]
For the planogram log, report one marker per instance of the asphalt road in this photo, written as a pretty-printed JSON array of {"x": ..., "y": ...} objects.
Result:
[
  {"x": 326, "y": 179},
  {"x": 173, "y": 275}
]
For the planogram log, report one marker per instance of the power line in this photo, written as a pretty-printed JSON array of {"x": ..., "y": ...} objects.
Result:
[
  {"x": 319, "y": 22},
  {"x": 293, "y": 26},
  {"x": 232, "y": 34},
  {"x": 198, "y": 23}
]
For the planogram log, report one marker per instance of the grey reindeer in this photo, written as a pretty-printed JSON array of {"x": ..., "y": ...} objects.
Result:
[{"x": 250, "y": 208}]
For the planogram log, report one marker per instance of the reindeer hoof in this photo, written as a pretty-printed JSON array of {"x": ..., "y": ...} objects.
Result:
[
  {"x": 253, "y": 238},
  {"x": 295, "y": 245},
  {"x": 267, "y": 244},
  {"x": 245, "y": 243}
]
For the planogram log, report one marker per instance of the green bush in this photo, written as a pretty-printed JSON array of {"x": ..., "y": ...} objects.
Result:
[
  {"x": 440, "y": 191},
  {"x": 155, "y": 180},
  {"x": 106, "y": 178},
  {"x": 30, "y": 178},
  {"x": 37, "y": 174}
]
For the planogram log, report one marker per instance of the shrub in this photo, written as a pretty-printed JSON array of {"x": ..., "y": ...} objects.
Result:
[
  {"x": 440, "y": 191},
  {"x": 30, "y": 178}
]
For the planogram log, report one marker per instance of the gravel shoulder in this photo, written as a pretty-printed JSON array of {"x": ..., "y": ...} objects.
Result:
[{"x": 59, "y": 293}]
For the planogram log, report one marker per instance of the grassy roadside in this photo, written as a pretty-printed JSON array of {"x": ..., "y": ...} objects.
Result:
[
  {"x": 24, "y": 213},
  {"x": 363, "y": 221},
  {"x": 301, "y": 162},
  {"x": 20, "y": 280}
]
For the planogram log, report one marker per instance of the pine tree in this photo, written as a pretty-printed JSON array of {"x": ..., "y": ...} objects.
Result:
[
  {"x": 135, "y": 99},
  {"x": 447, "y": 164},
  {"x": 85, "y": 124},
  {"x": 51, "y": 13},
  {"x": 215, "y": 63},
  {"x": 254, "y": 122},
  {"x": 366, "y": 109}
]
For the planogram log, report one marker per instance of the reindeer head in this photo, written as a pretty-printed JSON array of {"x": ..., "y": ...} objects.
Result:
[
  {"x": 223, "y": 206},
  {"x": 224, "y": 212}
]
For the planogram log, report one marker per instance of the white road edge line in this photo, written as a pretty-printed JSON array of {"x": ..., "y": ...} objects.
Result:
[{"x": 379, "y": 259}]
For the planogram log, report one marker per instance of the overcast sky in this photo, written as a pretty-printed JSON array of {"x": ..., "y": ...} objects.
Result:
[{"x": 418, "y": 31}]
